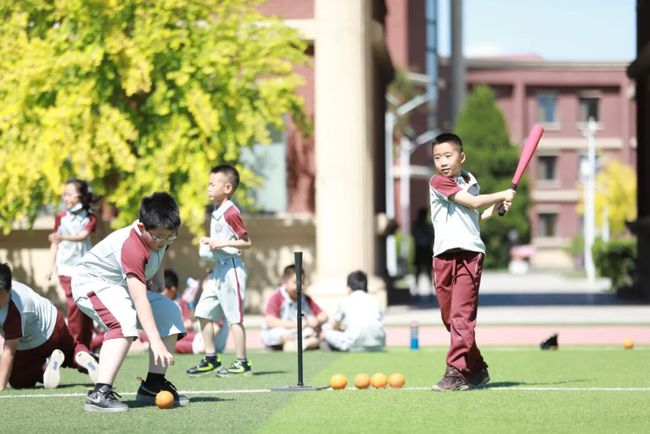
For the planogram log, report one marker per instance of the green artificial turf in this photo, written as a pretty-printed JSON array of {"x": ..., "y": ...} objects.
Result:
[{"x": 575, "y": 389}]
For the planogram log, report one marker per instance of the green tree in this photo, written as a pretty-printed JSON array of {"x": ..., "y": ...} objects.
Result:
[
  {"x": 137, "y": 96},
  {"x": 493, "y": 159}
]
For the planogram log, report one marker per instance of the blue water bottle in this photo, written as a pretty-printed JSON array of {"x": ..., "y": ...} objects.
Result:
[{"x": 415, "y": 339}]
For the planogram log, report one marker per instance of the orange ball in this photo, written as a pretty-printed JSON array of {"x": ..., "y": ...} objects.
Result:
[
  {"x": 396, "y": 380},
  {"x": 362, "y": 381},
  {"x": 338, "y": 381},
  {"x": 628, "y": 344},
  {"x": 379, "y": 380},
  {"x": 164, "y": 399}
]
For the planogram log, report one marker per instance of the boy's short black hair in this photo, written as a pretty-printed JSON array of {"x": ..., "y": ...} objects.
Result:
[
  {"x": 447, "y": 137},
  {"x": 171, "y": 279},
  {"x": 159, "y": 210},
  {"x": 230, "y": 172},
  {"x": 289, "y": 271},
  {"x": 5, "y": 277},
  {"x": 358, "y": 280}
]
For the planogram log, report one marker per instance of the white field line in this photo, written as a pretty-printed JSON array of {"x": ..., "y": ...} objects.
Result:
[{"x": 244, "y": 391}]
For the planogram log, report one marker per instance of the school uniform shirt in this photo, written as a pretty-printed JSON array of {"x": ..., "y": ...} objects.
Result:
[
  {"x": 455, "y": 226},
  {"x": 70, "y": 253},
  {"x": 120, "y": 253},
  {"x": 359, "y": 309},
  {"x": 226, "y": 224},
  {"x": 281, "y": 305},
  {"x": 27, "y": 316}
]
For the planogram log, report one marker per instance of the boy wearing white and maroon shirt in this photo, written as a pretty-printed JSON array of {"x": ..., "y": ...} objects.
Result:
[
  {"x": 37, "y": 342},
  {"x": 226, "y": 291},
  {"x": 358, "y": 321},
  {"x": 458, "y": 254},
  {"x": 280, "y": 316},
  {"x": 70, "y": 240},
  {"x": 109, "y": 285}
]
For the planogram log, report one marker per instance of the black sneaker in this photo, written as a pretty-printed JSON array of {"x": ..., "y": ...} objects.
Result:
[
  {"x": 147, "y": 393},
  {"x": 479, "y": 377},
  {"x": 104, "y": 400},
  {"x": 204, "y": 367},
  {"x": 453, "y": 380},
  {"x": 550, "y": 343},
  {"x": 236, "y": 368}
]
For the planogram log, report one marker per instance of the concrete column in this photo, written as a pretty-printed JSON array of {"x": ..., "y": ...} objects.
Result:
[{"x": 344, "y": 152}]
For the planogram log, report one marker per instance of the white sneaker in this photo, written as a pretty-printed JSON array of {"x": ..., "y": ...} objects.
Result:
[
  {"x": 52, "y": 374},
  {"x": 88, "y": 362}
]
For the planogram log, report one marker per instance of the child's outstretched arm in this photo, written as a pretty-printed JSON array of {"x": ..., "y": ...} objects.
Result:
[
  {"x": 242, "y": 243},
  {"x": 494, "y": 209},
  {"x": 81, "y": 236},
  {"x": 474, "y": 202},
  {"x": 7, "y": 361},
  {"x": 138, "y": 291}
]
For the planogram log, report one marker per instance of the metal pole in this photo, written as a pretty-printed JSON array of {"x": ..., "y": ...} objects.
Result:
[
  {"x": 391, "y": 256},
  {"x": 590, "y": 193},
  {"x": 404, "y": 195},
  {"x": 298, "y": 265}
]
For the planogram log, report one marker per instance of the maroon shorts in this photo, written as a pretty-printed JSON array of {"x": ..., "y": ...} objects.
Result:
[{"x": 29, "y": 365}]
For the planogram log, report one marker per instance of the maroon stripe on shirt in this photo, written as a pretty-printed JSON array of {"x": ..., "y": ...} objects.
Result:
[
  {"x": 444, "y": 185},
  {"x": 114, "y": 326},
  {"x": 234, "y": 220},
  {"x": 239, "y": 300},
  {"x": 13, "y": 325},
  {"x": 134, "y": 256}
]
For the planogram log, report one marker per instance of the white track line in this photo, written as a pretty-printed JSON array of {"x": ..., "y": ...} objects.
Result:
[{"x": 243, "y": 391}]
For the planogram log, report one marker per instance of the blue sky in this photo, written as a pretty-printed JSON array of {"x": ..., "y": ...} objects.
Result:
[{"x": 553, "y": 29}]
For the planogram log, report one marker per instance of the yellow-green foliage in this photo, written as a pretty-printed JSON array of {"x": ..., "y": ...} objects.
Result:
[
  {"x": 616, "y": 190},
  {"x": 137, "y": 96}
]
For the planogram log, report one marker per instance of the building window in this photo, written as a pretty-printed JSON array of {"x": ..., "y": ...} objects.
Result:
[
  {"x": 546, "y": 167},
  {"x": 588, "y": 108},
  {"x": 269, "y": 162},
  {"x": 546, "y": 111},
  {"x": 547, "y": 224}
]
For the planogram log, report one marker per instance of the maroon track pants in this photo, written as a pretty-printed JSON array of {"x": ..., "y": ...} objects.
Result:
[
  {"x": 29, "y": 365},
  {"x": 456, "y": 277},
  {"x": 79, "y": 324}
]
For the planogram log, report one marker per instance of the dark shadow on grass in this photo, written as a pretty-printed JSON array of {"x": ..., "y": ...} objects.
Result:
[
  {"x": 497, "y": 384},
  {"x": 209, "y": 398},
  {"x": 256, "y": 373}
]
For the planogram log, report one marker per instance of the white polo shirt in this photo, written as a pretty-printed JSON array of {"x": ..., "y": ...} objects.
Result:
[
  {"x": 70, "y": 253},
  {"x": 27, "y": 316},
  {"x": 122, "y": 252},
  {"x": 455, "y": 226},
  {"x": 226, "y": 224}
]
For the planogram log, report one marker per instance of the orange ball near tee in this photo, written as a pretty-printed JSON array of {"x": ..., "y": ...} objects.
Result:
[
  {"x": 164, "y": 399},
  {"x": 396, "y": 380},
  {"x": 338, "y": 381},
  {"x": 628, "y": 344},
  {"x": 379, "y": 380},
  {"x": 362, "y": 381}
]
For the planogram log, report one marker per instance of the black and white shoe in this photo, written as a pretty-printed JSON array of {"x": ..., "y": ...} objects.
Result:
[
  {"x": 104, "y": 400},
  {"x": 147, "y": 393}
]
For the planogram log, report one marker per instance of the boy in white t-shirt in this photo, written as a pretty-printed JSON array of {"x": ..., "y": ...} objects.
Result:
[
  {"x": 37, "y": 342},
  {"x": 358, "y": 321},
  {"x": 225, "y": 293}
]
